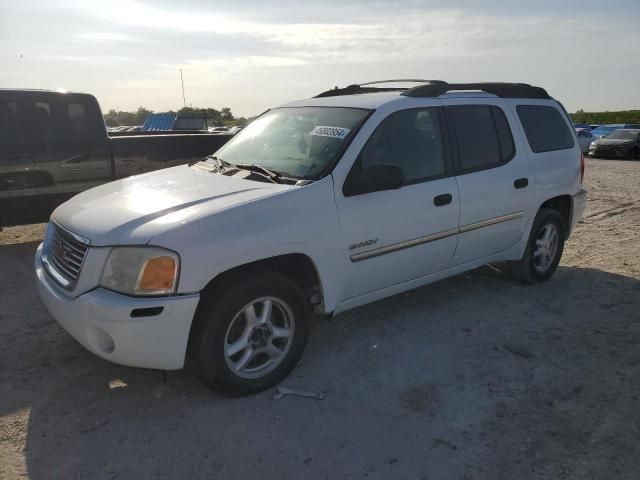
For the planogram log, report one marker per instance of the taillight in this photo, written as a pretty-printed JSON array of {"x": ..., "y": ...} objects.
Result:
[{"x": 581, "y": 166}]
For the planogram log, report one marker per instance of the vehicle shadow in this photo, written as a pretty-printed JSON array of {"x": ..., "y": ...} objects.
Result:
[{"x": 473, "y": 376}]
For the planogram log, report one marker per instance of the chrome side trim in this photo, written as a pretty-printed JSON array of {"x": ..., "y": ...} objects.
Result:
[
  {"x": 394, "y": 247},
  {"x": 491, "y": 221},
  {"x": 357, "y": 257}
]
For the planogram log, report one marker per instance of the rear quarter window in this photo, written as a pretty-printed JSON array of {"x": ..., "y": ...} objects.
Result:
[{"x": 545, "y": 128}]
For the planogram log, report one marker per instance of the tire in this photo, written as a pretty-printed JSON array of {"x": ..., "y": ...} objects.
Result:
[
  {"x": 234, "y": 315},
  {"x": 539, "y": 262}
]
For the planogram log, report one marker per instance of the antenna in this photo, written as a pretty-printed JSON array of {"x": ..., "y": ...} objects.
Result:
[{"x": 184, "y": 102}]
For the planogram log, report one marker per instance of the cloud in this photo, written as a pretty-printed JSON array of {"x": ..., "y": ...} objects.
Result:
[
  {"x": 129, "y": 52},
  {"x": 104, "y": 36}
]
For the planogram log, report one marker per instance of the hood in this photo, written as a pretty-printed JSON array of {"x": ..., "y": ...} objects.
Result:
[{"x": 133, "y": 210}]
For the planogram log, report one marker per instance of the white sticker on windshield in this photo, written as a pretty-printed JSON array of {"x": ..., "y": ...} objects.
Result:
[{"x": 332, "y": 132}]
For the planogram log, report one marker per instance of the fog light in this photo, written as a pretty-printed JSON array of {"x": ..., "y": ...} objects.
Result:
[{"x": 101, "y": 340}]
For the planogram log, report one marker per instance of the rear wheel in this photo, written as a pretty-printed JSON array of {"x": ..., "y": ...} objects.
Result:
[
  {"x": 250, "y": 335},
  {"x": 544, "y": 249}
]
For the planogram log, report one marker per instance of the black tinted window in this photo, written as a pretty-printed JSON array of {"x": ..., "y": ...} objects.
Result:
[
  {"x": 77, "y": 118},
  {"x": 9, "y": 129},
  {"x": 409, "y": 139},
  {"x": 43, "y": 128},
  {"x": 545, "y": 128},
  {"x": 483, "y": 136}
]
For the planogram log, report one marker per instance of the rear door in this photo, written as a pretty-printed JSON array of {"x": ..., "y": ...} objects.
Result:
[{"x": 494, "y": 177}]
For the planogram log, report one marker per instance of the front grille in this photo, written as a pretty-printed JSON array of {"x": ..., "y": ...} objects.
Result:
[{"x": 63, "y": 255}]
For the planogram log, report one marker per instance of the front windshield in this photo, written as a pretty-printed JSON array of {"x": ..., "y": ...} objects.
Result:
[
  {"x": 623, "y": 135},
  {"x": 603, "y": 131},
  {"x": 298, "y": 142}
]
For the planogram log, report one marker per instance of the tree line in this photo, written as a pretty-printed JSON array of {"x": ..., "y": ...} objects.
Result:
[
  {"x": 623, "y": 116},
  {"x": 222, "y": 117}
]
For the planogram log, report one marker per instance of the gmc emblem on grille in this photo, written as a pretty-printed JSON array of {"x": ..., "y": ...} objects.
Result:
[{"x": 60, "y": 250}]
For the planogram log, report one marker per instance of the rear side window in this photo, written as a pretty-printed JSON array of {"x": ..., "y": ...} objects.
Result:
[
  {"x": 545, "y": 128},
  {"x": 483, "y": 136},
  {"x": 77, "y": 117},
  {"x": 43, "y": 130}
]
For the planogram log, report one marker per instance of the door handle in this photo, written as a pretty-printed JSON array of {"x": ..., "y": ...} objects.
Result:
[
  {"x": 443, "y": 199},
  {"x": 521, "y": 183}
]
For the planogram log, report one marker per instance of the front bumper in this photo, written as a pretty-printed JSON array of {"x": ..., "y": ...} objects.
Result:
[
  {"x": 101, "y": 321},
  {"x": 611, "y": 152}
]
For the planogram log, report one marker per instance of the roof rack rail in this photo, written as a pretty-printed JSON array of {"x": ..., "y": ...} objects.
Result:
[
  {"x": 366, "y": 87},
  {"x": 500, "y": 89}
]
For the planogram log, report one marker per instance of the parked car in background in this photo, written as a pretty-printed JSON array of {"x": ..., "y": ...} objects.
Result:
[
  {"x": 54, "y": 145},
  {"x": 581, "y": 125},
  {"x": 604, "y": 130},
  {"x": 584, "y": 138},
  {"x": 321, "y": 205},
  {"x": 594, "y": 126},
  {"x": 160, "y": 122},
  {"x": 621, "y": 143}
]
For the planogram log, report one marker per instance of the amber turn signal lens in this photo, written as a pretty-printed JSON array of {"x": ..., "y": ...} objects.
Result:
[{"x": 158, "y": 274}]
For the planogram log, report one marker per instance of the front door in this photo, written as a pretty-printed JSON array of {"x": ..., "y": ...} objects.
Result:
[{"x": 395, "y": 236}]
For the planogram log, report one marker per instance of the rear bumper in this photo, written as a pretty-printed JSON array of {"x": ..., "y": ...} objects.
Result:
[
  {"x": 578, "y": 205},
  {"x": 101, "y": 321}
]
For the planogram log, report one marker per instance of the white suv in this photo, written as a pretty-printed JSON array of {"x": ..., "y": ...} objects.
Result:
[{"x": 319, "y": 206}]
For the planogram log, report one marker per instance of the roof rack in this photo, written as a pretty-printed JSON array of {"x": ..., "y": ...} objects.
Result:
[
  {"x": 435, "y": 88},
  {"x": 500, "y": 89},
  {"x": 366, "y": 87}
]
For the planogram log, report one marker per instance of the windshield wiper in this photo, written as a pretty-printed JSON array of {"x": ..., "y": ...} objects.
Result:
[
  {"x": 219, "y": 162},
  {"x": 273, "y": 176}
]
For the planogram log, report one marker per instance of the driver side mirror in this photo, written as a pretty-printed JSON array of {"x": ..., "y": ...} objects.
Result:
[{"x": 374, "y": 178}]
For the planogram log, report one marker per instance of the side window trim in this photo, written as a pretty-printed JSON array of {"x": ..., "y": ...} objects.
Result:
[
  {"x": 449, "y": 170},
  {"x": 453, "y": 139}
]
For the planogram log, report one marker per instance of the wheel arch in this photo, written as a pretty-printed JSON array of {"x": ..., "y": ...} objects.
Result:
[
  {"x": 299, "y": 267},
  {"x": 563, "y": 205}
]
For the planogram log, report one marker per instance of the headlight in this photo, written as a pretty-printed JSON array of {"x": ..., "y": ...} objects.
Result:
[{"x": 141, "y": 271}]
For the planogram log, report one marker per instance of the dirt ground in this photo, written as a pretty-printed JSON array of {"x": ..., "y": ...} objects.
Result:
[{"x": 475, "y": 377}]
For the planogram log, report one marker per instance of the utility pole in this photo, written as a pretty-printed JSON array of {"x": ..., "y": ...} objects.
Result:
[{"x": 184, "y": 102}]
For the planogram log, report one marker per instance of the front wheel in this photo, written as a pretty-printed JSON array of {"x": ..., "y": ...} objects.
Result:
[
  {"x": 544, "y": 249},
  {"x": 250, "y": 335}
]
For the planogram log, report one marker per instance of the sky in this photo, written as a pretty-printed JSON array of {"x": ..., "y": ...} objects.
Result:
[{"x": 251, "y": 55}]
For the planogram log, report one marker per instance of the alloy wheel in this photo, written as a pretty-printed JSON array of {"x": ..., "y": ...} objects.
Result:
[
  {"x": 259, "y": 337},
  {"x": 546, "y": 248}
]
